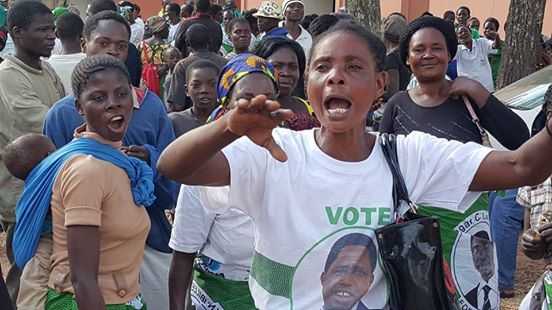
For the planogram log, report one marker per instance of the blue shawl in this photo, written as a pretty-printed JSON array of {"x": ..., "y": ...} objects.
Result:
[{"x": 34, "y": 203}]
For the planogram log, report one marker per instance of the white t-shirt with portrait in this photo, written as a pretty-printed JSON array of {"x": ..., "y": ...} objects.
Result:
[{"x": 304, "y": 207}]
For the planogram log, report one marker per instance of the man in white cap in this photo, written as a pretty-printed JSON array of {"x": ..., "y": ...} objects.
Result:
[
  {"x": 268, "y": 16},
  {"x": 294, "y": 11}
]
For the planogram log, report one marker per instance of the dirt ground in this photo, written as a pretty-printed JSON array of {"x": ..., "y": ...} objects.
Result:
[{"x": 527, "y": 272}]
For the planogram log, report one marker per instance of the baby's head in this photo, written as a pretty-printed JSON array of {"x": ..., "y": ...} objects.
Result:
[{"x": 24, "y": 153}]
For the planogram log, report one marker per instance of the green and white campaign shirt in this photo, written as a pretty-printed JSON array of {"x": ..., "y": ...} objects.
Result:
[
  {"x": 470, "y": 253},
  {"x": 224, "y": 243},
  {"x": 204, "y": 224},
  {"x": 315, "y": 216}
]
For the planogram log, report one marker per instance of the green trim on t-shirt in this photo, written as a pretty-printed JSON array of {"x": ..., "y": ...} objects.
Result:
[
  {"x": 231, "y": 295},
  {"x": 450, "y": 219},
  {"x": 274, "y": 277}
]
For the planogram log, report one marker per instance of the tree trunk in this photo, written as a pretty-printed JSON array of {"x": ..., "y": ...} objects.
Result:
[
  {"x": 523, "y": 31},
  {"x": 367, "y": 13}
]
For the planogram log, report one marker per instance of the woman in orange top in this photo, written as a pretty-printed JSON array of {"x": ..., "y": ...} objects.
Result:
[{"x": 99, "y": 230}]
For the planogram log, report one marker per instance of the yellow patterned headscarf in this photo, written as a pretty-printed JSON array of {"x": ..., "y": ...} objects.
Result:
[{"x": 238, "y": 68}]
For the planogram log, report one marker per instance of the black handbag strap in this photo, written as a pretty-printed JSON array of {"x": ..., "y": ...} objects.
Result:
[{"x": 388, "y": 143}]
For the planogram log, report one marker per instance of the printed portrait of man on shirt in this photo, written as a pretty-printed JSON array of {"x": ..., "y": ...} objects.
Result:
[
  {"x": 349, "y": 272},
  {"x": 482, "y": 296}
]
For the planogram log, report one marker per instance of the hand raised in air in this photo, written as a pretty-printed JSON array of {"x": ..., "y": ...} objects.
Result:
[{"x": 256, "y": 118}]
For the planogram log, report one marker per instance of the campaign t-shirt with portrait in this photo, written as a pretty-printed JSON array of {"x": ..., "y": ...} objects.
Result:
[
  {"x": 309, "y": 211},
  {"x": 469, "y": 254}
]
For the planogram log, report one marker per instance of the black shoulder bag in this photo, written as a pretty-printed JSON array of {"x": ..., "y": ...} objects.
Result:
[{"x": 410, "y": 248}]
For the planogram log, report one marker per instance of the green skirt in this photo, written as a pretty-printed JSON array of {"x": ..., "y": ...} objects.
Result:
[
  {"x": 213, "y": 292},
  {"x": 66, "y": 301}
]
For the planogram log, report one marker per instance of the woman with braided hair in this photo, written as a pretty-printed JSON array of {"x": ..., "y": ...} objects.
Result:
[
  {"x": 97, "y": 196},
  {"x": 149, "y": 132}
]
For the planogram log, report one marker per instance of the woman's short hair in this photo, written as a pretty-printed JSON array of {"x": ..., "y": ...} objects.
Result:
[
  {"x": 234, "y": 21},
  {"x": 374, "y": 44},
  {"x": 269, "y": 45},
  {"x": 441, "y": 25}
]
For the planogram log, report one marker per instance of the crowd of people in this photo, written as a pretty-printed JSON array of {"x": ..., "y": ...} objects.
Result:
[{"x": 212, "y": 158}]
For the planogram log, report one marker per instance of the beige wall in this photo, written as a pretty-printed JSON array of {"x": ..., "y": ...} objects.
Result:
[
  {"x": 249, "y": 4},
  {"x": 390, "y": 6},
  {"x": 319, "y": 6}
]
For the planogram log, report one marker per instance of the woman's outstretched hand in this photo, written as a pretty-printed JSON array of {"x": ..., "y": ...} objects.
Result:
[{"x": 256, "y": 118}]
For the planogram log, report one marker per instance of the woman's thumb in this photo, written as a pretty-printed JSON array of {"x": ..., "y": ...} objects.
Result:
[{"x": 275, "y": 150}]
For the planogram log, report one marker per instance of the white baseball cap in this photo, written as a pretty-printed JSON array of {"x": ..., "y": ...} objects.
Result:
[{"x": 286, "y": 3}]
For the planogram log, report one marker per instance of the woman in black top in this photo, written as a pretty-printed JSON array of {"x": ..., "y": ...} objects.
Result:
[{"x": 436, "y": 106}]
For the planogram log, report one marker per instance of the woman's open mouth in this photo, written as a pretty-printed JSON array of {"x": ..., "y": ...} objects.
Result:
[
  {"x": 117, "y": 123},
  {"x": 337, "y": 107}
]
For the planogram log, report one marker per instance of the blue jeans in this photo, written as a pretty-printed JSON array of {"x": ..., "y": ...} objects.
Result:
[{"x": 506, "y": 225}]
